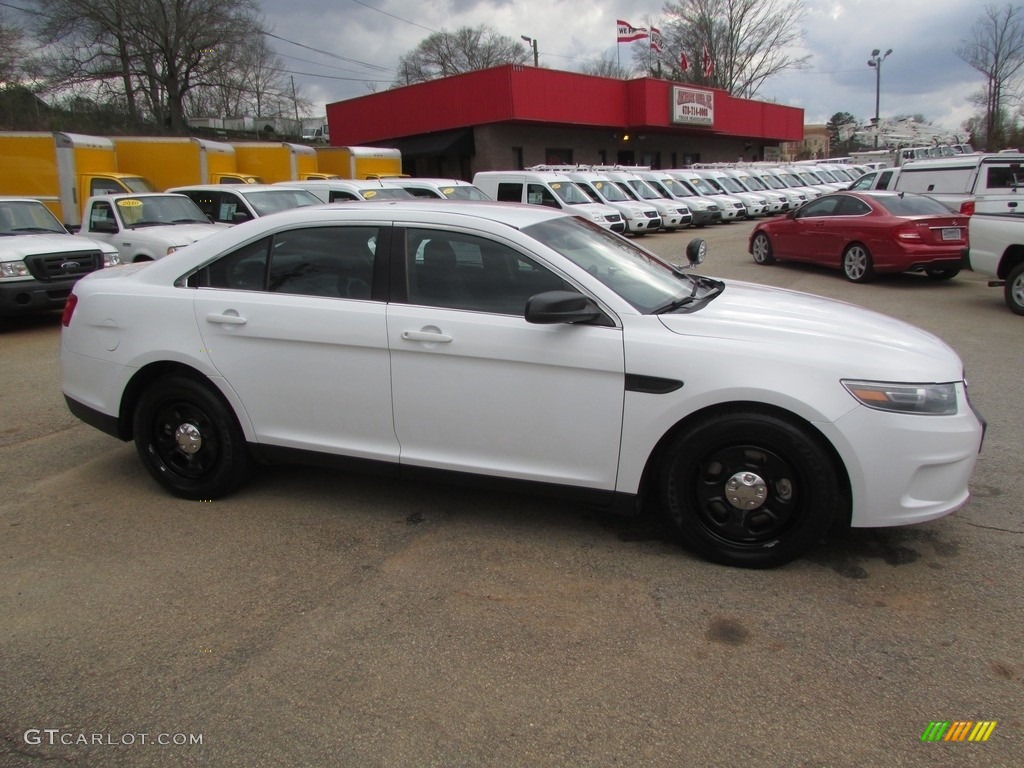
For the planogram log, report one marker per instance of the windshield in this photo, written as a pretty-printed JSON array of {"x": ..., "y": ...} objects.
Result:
[
  {"x": 20, "y": 217},
  {"x": 809, "y": 179},
  {"x": 569, "y": 193},
  {"x": 731, "y": 185},
  {"x": 773, "y": 181},
  {"x": 383, "y": 193},
  {"x": 644, "y": 190},
  {"x": 675, "y": 187},
  {"x": 609, "y": 191},
  {"x": 825, "y": 176},
  {"x": 754, "y": 183},
  {"x": 159, "y": 210},
  {"x": 137, "y": 184},
  {"x": 275, "y": 200},
  {"x": 463, "y": 192},
  {"x": 702, "y": 186},
  {"x": 638, "y": 276}
]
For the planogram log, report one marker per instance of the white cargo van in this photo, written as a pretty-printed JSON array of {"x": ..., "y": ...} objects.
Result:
[
  {"x": 732, "y": 207},
  {"x": 555, "y": 190},
  {"x": 640, "y": 218},
  {"x": 986, "y": 183}
]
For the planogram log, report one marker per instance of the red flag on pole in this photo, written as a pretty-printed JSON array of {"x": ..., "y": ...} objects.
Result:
[
  {"x": 627, "y": 33},
  {"x": 684, "y": 63},
  {"x": 707, "y": 62}
]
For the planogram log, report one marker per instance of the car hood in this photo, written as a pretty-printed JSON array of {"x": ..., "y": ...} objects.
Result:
[
  {"x": 180, "y": 234},
  {"x": 19, "y": 247},
  {"x": 856, "y": 342}
]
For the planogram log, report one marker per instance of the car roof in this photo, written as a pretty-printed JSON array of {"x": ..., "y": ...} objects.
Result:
[{"x": 240, "y": 188}]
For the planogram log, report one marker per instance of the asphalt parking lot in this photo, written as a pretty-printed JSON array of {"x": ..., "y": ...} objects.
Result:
[{"x": 324, "y": 619}]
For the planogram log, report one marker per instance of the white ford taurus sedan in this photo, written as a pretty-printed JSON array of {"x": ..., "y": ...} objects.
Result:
[{"x": 515, "y": 345}]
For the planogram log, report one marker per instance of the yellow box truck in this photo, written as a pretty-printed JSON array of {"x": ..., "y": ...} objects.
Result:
[
  {"x": 62, "y": 170},
  {"x": 276, "y": 160},
  {"x": 359, "y": 162},
  {"x": 180, "y": 161}
]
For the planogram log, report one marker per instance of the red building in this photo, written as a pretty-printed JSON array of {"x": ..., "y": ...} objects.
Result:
[{"x": 515, "y": 116}]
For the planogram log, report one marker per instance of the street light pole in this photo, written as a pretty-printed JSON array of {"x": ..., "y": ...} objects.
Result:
[
  {"x": 877, "y": 57},
  {"x": 532, "y": 41}
]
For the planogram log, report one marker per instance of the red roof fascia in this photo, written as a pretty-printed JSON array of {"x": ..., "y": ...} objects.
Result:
[{"x": 514, "y": 93}]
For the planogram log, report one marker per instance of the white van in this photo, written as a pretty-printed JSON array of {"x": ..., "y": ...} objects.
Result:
[
  {"x": 794, "y": 197},
  {"x": 703, "y": 211},
  {"x": 775, "y": 202},
  {"x": 555, "y": 190},
  {"x": 982, "y": 183},
  {"x": 347, "y": 190},
  {"x": 640, "y": 218},
  {"x": 674, "y": 213},
  {"x": 449, "y": 189},
  {"x": 732, "y": 207},
  {"x": 754, "y": 205}
]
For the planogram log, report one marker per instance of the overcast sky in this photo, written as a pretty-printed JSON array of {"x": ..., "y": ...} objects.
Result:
[{"x": 922, "y": 76}]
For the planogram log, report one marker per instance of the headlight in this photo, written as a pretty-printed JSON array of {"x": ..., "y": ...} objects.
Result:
[
  {"x": 597, "y": 216},
  {"x": 111, "y": 259},
  {"x": 13, "y": 269},
  {"x": 925, "y": 399}
]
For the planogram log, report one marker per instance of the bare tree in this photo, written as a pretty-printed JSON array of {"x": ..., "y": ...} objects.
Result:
[
  {"x": 995, "y": 47},
  {"x": 12, "y": 53},
  {"x": 467, "y": 49},
  {"x": 155, "y": 51},
  {"x": 746, "y": 42},
  {"x": 606, "y": 66}
]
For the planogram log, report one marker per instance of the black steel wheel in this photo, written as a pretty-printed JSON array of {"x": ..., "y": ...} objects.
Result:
[
  {"x": 189, "y": 440},
  {"x": 750, "y": 489}
]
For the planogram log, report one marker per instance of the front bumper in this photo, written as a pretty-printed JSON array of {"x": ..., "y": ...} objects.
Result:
[
  {"x": 904, "y": 468},
  {"x": 21, "y": 297}
]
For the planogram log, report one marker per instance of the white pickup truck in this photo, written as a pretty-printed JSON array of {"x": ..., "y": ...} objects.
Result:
[
  {"x": 40, "y": 260},
  {"x": 144, "y": 227},
  {"x": 997, "y": 250}
]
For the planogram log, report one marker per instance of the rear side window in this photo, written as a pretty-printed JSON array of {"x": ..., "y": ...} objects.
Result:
[
  {"x": 913, "y": 205},
  {"x": 510, "y": 192},
  {"x": 1004, "y": 177}
]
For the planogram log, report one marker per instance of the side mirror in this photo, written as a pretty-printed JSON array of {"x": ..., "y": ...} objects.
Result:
[
  {"x": 240, "y": 216},
  {"x": 560, "y": 307}
]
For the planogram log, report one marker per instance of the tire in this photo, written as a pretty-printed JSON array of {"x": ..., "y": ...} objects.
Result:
[
  {"x": 857, "y": 265},
  {"x": 780, "y": 469},
  {"x": 189, "y": 440},
  {"x": 935, "y": 273},
  {"x": 761, "y": 249},
  {"x": 1013, "y": 291}
]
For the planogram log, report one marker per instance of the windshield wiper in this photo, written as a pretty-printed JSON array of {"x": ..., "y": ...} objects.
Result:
[
  {"x": 37, "y": 229},
  {"x": 138, "y": 224}
]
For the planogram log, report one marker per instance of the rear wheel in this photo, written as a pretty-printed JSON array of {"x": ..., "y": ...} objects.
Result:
[
  {"x": 1013, "y": 292},
  {"x": 761, "y": 249},
  {"x": 857, "y": 265},
  {"x": 750, "y": 489},
  {"x": 189, "y": 440},
  {"x": 935, "y": 273}
]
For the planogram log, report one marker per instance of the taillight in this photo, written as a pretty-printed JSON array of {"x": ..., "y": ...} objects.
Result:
[
  {"x": 907, "y": 233},
  {"x": 967, "y": 207},
  {"x": 69, "y": 310}
]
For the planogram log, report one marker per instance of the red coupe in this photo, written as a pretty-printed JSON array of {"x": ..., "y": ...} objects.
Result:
[{"x": 864, "y": 233}]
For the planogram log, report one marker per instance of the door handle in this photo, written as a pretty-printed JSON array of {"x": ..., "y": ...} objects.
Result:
[
  {"x": 433, "y": 336},
  {"x": 225, "y": 319}
]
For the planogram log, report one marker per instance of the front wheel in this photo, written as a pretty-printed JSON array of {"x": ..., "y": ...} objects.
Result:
[
  {"x": 1013, "y": 292},
  {"x": 936, "y": 273},
  {"x": 857, "y": 264},
  {"x": 761, "y": 249},
  {"x": 189, "y": 440},
  {"x": 750, "y": 489}
]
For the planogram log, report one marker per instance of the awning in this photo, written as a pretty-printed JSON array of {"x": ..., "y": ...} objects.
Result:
[{"x": 444, "y": 143}]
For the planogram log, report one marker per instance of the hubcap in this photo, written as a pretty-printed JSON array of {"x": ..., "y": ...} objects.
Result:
[
  {"x": 855, "y": 263},
  {"x": 745, "y": 490},
  {"x": 189, "y": 438},
  {"x": 1017, "y": 291}
]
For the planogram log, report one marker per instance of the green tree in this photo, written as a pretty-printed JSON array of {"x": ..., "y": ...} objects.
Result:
[{"x": 841, "y": 130}]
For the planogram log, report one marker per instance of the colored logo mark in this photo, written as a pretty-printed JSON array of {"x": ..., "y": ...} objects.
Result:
[{"x": 959, "y": 730}]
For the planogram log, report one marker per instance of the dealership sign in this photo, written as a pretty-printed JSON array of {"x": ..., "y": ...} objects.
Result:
[{"x": 692, "y": 106}]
